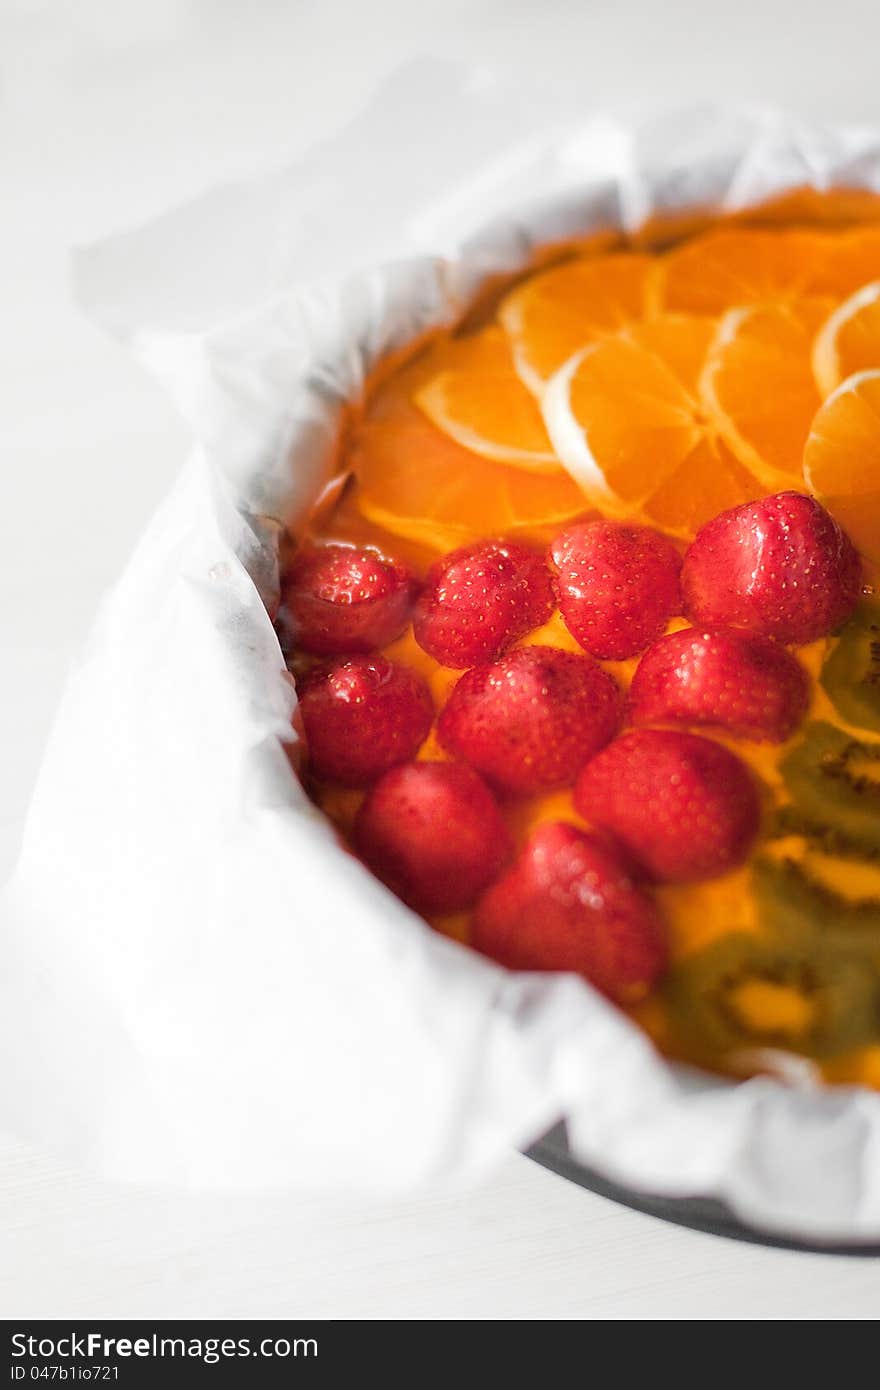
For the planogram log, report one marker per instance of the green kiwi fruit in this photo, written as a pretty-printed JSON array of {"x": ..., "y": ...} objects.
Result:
[
  {"x": 834, "y": 781},
  {"x": 840, "y": 991},
  {"x": 851, "y": 674},
  {"x": 794, "y": 900},
  {"x": 789, "y": 822}
]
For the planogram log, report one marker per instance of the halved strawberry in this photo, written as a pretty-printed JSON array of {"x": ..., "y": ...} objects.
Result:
[
  {"x": 781, "y": 566},
  {"x": 721, "y": 676},
  {"x": 569, "y": 903},
  {"x": 530, "y": 721},
  {"x": 433, "y": 833},
  {"x": 361, "y": 715},
  {"x": 616, "y": 584},
  {"x": 339, "y": 599},
  {"x": 682, "y": 806},
  {"x": 478, "y": 600}
]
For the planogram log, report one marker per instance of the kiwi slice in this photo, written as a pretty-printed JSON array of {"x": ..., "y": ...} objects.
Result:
[
  {"x": 834, "y": 781},
  {"x": 753, "y": 991},
  {"x": 801, "y": 898},
  {"x": 789, "y": 823},
  {"x": 810, "y": 879},
  {"x": 851, "y": 674}
]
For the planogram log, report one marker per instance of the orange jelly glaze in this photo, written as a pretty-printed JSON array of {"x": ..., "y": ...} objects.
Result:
[{"x": 388, "y": 438}]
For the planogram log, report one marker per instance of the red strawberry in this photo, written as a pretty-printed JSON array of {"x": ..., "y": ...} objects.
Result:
[
  {"x": 531, "y": 720},
  {"x": 781, "y": 566},
  {"x": 361, "y": 715},
  {"x": 478, "y": 600},
  {"x": 569, "y": 904},
  {"x": 683, "y": 807},
  {"x": 339, "y": 598},
  {"x": 433, "y": 833},
  {"x": 617, "y": 586},
  {"x": 724, "y": 676}
]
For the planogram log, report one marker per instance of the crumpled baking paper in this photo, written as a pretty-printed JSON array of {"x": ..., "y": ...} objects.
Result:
[{"x": 197, "y": 986}]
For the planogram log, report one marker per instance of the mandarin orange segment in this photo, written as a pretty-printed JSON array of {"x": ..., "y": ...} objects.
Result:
[
  {"x": 758, "y": 386},
  {"x": 555, "y": 314},
  {"x": 708, "y": 481},
  {"x": 418, "y": 483},
  {"x": 479, "y": 401},
  {"x": 849, "y": 340},
  {"x": 724, "y": 269},
  {"x": 624, "y": 415},
  {"x": 842, "y": 459}
]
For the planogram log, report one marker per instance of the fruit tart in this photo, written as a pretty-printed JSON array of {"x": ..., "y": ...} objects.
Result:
[{"x": 586, "y": 643}]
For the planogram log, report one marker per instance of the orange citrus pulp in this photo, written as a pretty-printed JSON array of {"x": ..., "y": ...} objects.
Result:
[
  {"x": 418, "y": 482},
  {"x": 849, "y": 340},
  {"x": 627, "y": 418},
  {"x": 842, "y": 458},
  {"x": 555, "y": 314},
  {"x": 479, "y": 401},
  {"x": 759, "y": 388}
]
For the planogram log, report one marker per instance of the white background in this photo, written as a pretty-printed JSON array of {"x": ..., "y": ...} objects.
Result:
[{"x": 110, "y": 110}]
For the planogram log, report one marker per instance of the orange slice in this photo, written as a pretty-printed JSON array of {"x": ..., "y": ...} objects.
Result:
[
  {"x": 626, "y": 419},
  {"x": 842, "y": 458},
  {"x": 724, "y": 269},
  {"x": 418, "y": 483},
  {"x": 758, "y": 386},
  {"x": 479, "y": 401},
  {"x": 849, "y": 340},
  {"x": 708, "y": 481},
  {"x": 553, "y": 315}
]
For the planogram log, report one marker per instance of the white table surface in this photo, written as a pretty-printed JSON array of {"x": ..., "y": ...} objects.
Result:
[{"x": 110, "y": 110}]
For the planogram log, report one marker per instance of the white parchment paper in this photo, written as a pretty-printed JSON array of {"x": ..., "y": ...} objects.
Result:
[{"x": 196, "y": 985}]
